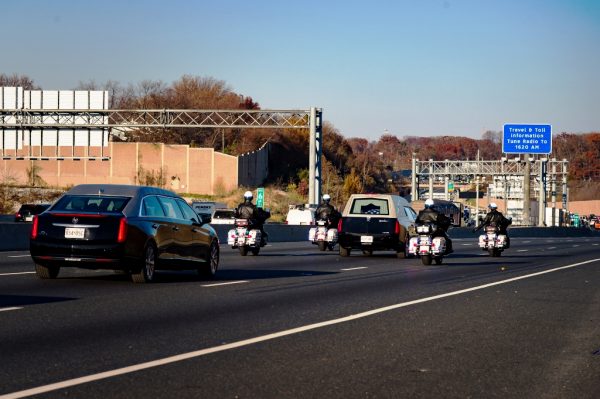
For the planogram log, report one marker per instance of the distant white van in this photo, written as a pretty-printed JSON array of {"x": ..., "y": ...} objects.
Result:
[
  {"x": 206, "y": 207},
  {"x": 300, "y": 215}
]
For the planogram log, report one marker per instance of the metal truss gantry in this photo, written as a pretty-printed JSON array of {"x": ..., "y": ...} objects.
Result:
[
  {"x": 26, "y": 120},
  {"x": 525, "y": 168}
]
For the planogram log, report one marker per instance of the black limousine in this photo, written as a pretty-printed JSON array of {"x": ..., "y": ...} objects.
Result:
[{"x": 136, "y": 229}]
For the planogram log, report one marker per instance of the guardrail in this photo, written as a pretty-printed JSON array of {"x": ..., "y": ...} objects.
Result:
[{"x": 15, "y": 236}]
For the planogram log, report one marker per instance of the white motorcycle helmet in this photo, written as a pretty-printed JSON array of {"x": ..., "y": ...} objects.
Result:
[
  {"x": 429, "y": 203},
  {"x": 326, "y": 198},
  {"x": 248, "y": 195},
  {"x": 493, "y": 205}
]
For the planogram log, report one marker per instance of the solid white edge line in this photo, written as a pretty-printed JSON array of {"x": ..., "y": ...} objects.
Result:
[
  {"x": 354, "y": 268},
  {"x": 18, "y": 256},
  {"x": 227, "y": 283},
  {"x": 11, "y": 308},
  {"x": 268, "y": 337},
  {"x": 15, "y": 273}
]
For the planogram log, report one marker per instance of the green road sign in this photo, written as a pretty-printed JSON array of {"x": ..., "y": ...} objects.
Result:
[{"x": 260, "y": 197}]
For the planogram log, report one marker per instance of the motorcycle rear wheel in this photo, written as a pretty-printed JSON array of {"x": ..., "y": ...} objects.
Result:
[
  {"x": 426, "y": 259},
  {"x": 322, "y": 245},
  {"x": 243, "y": 250}
]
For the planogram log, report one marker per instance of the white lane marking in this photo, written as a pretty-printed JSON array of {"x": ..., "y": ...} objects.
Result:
[
  {"x": 12, "y": 308},
  {"x": 467, "y": 244},
  {"x": 354, "y": 268},
  {"x": 551, "y": 247},
  {"x": 268, "y": 337},
  {"x": 227, "y": 283},
  {"x": 576, "y": 245},
  {"x": 526, "y": 242},
  {"x": 16, "y": 273},
  {"x": 18, "y": 256},
  {"x": 522, "y": 250},
  {"x": 594, "y": 244}
]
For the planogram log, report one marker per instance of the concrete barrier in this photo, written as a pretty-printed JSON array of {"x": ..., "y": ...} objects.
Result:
[
  {"x": 15, "y": 236},
  {"x": 276, "y": 232},
  {"x": 464, "y": 232}
]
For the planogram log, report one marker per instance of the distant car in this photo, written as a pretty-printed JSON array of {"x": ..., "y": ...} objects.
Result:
[
  {"x": 136, "y": 229},
  {"x": 223, "y": 216},
  {"x": 28, "y": 211},
  {"x": 300, "y": 215},
  {"x": 375, "y": 222}
]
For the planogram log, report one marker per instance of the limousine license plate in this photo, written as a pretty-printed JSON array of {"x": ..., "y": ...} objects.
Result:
[
  {"x": 74, "y": 232},
  {"x": 366, "y": 239}
]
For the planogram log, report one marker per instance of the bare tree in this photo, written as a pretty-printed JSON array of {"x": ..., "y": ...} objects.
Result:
[{"x": 18, "y": 80}]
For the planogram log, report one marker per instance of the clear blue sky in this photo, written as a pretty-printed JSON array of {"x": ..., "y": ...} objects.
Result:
[{"x": 423, "y": 68}]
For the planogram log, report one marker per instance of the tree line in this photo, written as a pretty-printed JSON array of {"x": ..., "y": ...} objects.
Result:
[{"x": 348, "y": 164}]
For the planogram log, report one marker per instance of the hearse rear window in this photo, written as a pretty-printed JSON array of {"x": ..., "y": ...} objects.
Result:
[
  {"x": 91, "y": 203},
  {"x": 369, "y": 206}
]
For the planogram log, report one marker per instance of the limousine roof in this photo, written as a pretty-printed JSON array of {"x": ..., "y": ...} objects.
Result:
[{"x": 118, "y": 189}]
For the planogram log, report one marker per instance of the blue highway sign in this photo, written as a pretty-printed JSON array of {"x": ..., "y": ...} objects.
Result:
[{"x": 527, "y": 139}]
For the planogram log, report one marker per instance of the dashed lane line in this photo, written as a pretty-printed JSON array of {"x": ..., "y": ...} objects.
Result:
[
  {"x": 16, "y": 273},
  {"x": 227, "y": 283},
  {"x": 268, "y": 337},
  {"x": 11, "y": 308},
  {"x": 522, "y": 250},
  {"x": 354, "y": 268},
  {"x": 19, "y": 256}
]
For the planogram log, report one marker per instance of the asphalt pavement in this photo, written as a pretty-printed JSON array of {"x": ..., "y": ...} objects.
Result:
[{"x": 294, "y": 322}]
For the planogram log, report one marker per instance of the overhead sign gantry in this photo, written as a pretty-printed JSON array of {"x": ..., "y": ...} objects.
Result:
[{"x": 24, "y": 122}]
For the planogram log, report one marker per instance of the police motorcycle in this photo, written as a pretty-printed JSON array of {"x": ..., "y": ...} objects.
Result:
[
  {"x": 246, "y": 237},
  {"x": 426, "y": 246},
  {"x": 492, "y": 241},
  {"x": 323, "y": 235}
]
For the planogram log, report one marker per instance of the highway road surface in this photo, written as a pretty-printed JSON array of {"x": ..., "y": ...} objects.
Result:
[{"x": 294, "y": 322}]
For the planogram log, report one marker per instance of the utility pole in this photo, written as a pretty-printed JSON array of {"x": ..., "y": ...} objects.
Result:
[
  {"x": 431, "y": 177},
  {"x": 413, "y": 184},
  {"x": 527, "y": 192},
  {"x": 553, "y": 188},
  {"x": 542, "y": 196}
]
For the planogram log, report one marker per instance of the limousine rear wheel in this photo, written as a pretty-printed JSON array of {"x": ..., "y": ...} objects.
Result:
[
  {"x": 209, "y": 269},
  {"x": 148, "y": 267},
  {"x": 46, "y": 272}
]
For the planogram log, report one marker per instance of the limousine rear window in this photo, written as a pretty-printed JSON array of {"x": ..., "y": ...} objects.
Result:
[
  {"x": 91, "y": 203},
  {"x": 369, "y": 206}
]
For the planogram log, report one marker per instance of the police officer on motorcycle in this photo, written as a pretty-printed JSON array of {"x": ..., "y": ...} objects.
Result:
[
  {"x": 327, "y": 212},
  {"x": 430, "y": 215},
  {"x": 496, "y": 217},
  {"x": 256, "y": 216}
]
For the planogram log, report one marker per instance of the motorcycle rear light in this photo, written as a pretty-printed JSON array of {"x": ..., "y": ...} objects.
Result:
[
  {"x": 34, "y": 228},
  {"x": 122, "y": 235}
]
